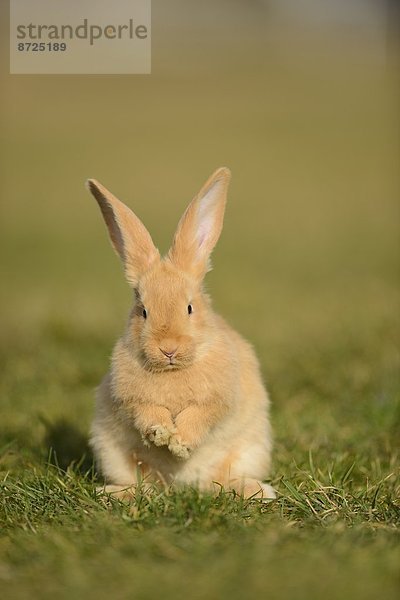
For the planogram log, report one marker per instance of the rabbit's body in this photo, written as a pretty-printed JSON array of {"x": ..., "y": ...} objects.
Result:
[{"x": 184, "y": 400}]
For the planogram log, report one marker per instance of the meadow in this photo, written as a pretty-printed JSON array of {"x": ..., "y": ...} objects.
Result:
[{"x": 306, "y": 268}]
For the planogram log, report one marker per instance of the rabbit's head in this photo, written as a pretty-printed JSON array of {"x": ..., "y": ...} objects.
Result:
[{"x": 170, "y": 323}]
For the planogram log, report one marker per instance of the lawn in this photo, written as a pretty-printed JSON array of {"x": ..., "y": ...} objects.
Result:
[{"x": 307, "y": 269}]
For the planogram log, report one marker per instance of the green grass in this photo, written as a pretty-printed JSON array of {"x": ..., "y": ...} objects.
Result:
[
  {"x": 333, "y": 530},
  {"x": 307, "y": 269}
]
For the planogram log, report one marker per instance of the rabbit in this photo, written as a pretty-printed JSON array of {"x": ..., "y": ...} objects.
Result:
[{"x": 184, "y": 401}]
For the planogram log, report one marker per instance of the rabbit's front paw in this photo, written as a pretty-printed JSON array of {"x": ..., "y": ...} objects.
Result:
[
  {"x": 178, "y": 448},
  {"x": 159, "y": 435}
]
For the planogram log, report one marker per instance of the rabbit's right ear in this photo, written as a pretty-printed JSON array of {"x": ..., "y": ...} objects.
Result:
[
  {"x": 129, "y": 236},
  {"x": 200, "y": 227}
]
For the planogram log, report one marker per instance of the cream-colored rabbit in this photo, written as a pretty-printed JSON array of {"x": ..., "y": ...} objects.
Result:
[{"x": 184, "y": 401}]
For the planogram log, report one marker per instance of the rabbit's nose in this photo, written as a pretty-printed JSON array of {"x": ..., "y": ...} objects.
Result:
[{"x": 168, "y": 352}]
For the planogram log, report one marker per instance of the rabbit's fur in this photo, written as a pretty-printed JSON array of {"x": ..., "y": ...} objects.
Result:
[{"x": 184, "y": 401}]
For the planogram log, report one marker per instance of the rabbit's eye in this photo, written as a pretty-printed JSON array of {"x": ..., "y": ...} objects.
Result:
[
  {"x": 144, "y": 313},
  {"x": 190, "y": 309}
]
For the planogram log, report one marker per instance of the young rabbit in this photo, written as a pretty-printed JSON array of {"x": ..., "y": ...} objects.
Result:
[{"x": 184, "y": 401}]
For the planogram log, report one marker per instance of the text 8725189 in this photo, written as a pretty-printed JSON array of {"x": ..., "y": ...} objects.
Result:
[{"x": 42, "y": 46}]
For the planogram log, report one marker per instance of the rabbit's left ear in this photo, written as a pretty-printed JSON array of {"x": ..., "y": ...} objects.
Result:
[
  {"x": 200, "y": 226},
  {"x": 128, "y": 235}
]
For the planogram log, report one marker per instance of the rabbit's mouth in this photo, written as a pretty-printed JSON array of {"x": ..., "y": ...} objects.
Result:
[
  {"x": 174, "y": 364},
  {"x": 164, "y": 364},
  {"x": 171, "y": 365},
  {"x": 167, "y": 354}
]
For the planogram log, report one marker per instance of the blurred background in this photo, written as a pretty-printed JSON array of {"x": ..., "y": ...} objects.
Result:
[{"x": 300, "y": 100}]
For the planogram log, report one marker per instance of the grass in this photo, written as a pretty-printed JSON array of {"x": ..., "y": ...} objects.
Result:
[
  {"x": 333, "y": 530},
  {"x": 61, "y": 539},
  {"x": 307, "y": 269}
]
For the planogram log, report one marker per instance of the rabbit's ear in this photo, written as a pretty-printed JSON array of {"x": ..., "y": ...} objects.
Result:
[
  {"x": 129, "y": 236},
  {"x": 200, "y": 226}
]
